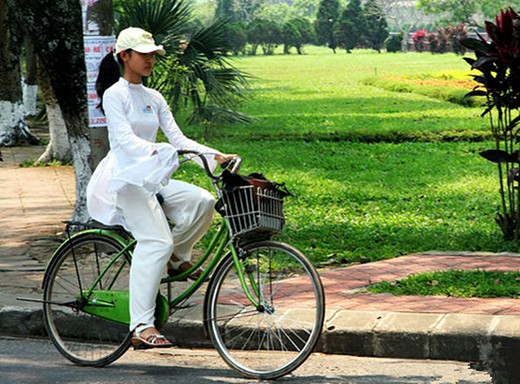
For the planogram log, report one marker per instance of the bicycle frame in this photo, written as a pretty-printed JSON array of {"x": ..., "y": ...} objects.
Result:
[{"x": 114, "y": 305}]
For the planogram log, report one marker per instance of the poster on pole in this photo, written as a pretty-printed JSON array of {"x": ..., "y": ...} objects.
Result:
[{"x": 96, "y": 47}]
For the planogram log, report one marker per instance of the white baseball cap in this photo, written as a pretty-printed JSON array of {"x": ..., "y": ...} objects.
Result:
[{"x": 138, "y": 40}]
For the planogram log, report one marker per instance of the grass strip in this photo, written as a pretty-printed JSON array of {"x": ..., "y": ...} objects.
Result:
[{"x": 457, "y": 283}]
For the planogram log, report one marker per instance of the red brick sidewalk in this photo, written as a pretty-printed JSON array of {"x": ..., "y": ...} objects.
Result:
[{"x": 341, "y": 285}]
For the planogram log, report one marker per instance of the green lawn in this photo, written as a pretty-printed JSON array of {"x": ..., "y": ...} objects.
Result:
[
  {"x": 324, "y": 95},
  {"x": 376, "y": 173}
]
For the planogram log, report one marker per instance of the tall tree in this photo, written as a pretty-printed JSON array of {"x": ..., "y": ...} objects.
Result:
[
  {"x": 246, "y": 9},
  {"x": 254, "y": 30},
  {"x": 236, "y": 35},
  {"x": 56, "y": 31},
  {"x": 279, "y": 13},
  {"x": 326, "y": 23},
  {"x": 271, "y": 37},
  {"x": 306, "y": 8},
  {"x": 472, "y": 12},
  {"x": 290, "y": 36},
  {"x": 226, "y": 10},
  {"x": 352, "y": 26},
  {"x": 13, "y": 128},
  {"x": 265, "y": 33},
  {"x": 376, "y": 27},
  {"x": 452, "y": 10},
  {"x": 491, "y": 8},
  {"x": 296, "y": 33}
]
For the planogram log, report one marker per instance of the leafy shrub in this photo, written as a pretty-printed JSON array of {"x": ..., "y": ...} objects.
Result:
[
  {"x": 420, "y": 39},
  {"x": 295, "y": 33},
  {"x": 448, "y": 39},
  {"x": 237, "y": 37},
  {"x": 458, "y": 33},
  {"x": 264, "y": 33},
  {"x": 439, "y": 41},
  {"x": 393, "y": 43}
]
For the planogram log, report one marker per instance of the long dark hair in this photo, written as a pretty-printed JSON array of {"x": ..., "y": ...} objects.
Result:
[{"x": 108, "y": 74}]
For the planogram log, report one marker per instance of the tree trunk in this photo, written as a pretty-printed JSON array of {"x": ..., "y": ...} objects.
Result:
[
  {"x": 13, "y": 128},
  {"x": 80, "y": 147},
  {"x": 404, "y": 42},
  {"x": 102, "y": 13},
  {"x": 99, "y": 15},
  {"x": 58, "y": 147},
  {"x": 30, "y": 84},
  {"x": 56, "y": 31}
]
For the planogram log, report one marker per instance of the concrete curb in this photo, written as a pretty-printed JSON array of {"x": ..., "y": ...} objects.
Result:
[
  {"x": 420, "y": 336},
  {"x": 381, "y": 334}
]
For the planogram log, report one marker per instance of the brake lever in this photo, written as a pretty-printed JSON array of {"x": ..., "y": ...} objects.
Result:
[{"x": 232, "y": 165}]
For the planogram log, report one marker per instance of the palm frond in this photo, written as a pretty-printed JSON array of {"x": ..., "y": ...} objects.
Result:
[
  {"x": 225, "y": 86},
  {"x": 165, "y": 19},
  {"x": 209, "y": 42}
]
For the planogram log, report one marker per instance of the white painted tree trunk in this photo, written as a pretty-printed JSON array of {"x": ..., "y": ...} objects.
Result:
[
  {"x": 12, "y": 122},
  {"x": 30, "y": 94},
  {"x": 13, "y": 128},
  {"x": 58, "y": 147},
  {"x": 80, "y": 147}
]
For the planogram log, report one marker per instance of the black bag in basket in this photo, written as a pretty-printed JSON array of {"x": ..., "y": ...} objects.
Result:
[{"x": 252, "y": 204}]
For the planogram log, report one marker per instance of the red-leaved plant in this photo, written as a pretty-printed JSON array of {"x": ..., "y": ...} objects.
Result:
[
  {"x": 420, "y": 38},
  {"x": 498, "y": 61}
]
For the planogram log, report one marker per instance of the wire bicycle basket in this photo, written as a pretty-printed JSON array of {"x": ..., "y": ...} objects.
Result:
[{"x": 253, "y": 211}]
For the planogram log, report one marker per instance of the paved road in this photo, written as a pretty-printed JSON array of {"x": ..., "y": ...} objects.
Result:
[{"x": 28, "y": 361}]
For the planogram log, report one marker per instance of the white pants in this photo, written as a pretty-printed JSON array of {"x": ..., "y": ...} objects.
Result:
[{"x": 186, "y": 206}]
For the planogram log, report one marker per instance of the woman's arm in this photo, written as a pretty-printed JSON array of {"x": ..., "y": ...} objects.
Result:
[
  {"x": 121, "y": 135},
  {"x": 180, "y": 141}
]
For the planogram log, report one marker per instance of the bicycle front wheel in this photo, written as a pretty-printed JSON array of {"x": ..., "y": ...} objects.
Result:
[
  {"x": 80, "y": 336},
  {"x": 275, "y": 334}
]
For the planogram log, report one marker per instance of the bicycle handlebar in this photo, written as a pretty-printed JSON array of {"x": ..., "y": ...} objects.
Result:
[{"x": 232, "y": 165}]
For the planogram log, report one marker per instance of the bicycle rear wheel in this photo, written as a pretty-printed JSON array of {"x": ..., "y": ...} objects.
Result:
[
  {"x": 83, "y": 338},
  {"x": 274, "y": 337}
]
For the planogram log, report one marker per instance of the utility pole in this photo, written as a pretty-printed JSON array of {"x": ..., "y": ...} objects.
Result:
[{"x": 99, "y": 40}]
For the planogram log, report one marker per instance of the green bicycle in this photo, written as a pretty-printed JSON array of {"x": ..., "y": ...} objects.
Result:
[{"x": 263, "y": 306}]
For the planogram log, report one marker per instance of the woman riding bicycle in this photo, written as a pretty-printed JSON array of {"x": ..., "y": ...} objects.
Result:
[{"x": 124, "y": 187}]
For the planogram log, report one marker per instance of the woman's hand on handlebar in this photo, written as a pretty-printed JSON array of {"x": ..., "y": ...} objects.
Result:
[
  {"x": 226, "y": 161},
  {"x": 224, "y": 158},
  {"x": 229, "y": 162}
]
